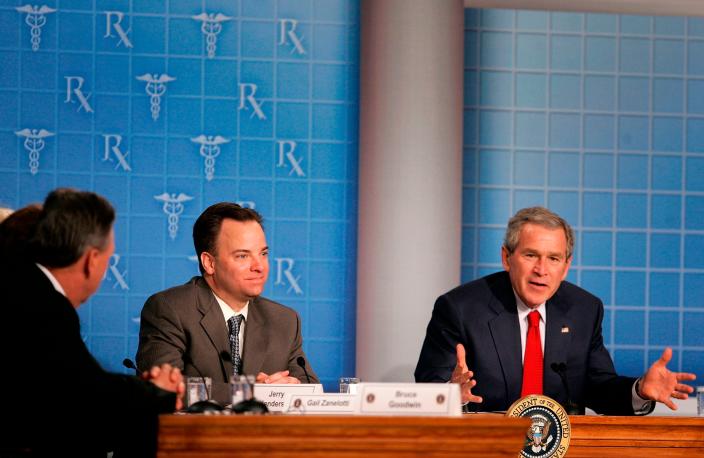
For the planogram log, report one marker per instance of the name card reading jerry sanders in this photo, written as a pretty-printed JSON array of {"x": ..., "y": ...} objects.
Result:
[
  {"x": 441, "y": 399},
  {"x": 278, "y": 396}
]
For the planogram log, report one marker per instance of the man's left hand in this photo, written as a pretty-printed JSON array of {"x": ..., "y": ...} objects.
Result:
[
  {"x": 660, "y": 384},
  {"x": 276, "y": 377}
]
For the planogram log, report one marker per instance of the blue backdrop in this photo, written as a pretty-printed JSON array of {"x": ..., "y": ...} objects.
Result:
[
  {"x": 601, "y": 118},
  {"x": 166, "y": 107}
]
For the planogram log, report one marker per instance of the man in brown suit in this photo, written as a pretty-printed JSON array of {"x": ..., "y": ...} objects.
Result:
[{"x": 217, "y": 325}]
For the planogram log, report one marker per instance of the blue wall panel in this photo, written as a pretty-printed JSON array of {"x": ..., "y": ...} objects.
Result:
[
  {"x": 189, "y": 103},
  {"x": 599, "y": 117}
]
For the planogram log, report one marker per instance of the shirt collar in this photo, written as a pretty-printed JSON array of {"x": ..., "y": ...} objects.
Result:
[
  {"x": 227, "y": 310},
  {"x": 55, "y": 283},
  {"x": 524, "y": 310}
]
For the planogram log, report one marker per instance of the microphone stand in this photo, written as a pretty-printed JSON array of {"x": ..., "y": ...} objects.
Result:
[
  {"x": 301, "y": 361},
  {"x": 571, "y": 408},
  {"x": 129, "y": 364}
]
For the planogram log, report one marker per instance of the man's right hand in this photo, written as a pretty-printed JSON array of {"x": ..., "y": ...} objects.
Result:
[
  {"x": 463, "y": 376},
  {"x": 168, "y": 378}
]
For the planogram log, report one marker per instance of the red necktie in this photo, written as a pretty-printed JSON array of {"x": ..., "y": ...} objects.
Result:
[{"x": 533, "y": 359}]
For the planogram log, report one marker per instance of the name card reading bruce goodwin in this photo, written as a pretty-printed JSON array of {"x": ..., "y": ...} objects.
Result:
[{"x": 441, "y": 399}]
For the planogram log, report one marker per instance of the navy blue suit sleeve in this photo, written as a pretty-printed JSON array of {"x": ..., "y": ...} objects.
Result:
[
  {"x": 438, "y": 355},
  {"x": 605, "y": 391}
]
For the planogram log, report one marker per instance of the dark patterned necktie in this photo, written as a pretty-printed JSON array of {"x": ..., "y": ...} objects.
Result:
[{"x": 234, "y": 324}]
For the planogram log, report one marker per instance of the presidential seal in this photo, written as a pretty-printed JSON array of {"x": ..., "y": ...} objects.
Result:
[{"x": 549, "y": 433}]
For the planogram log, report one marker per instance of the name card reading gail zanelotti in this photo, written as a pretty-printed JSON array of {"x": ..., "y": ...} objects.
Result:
[
  {"x": 324, "y": 403},
  {"x": 441, "y": 399},
  {"x": 278, "y": 396}
]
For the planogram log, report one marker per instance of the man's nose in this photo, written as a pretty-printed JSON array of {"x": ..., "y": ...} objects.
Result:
[
  {"x": 256, "y": 264},
  {"x": 539, "y": 267}
]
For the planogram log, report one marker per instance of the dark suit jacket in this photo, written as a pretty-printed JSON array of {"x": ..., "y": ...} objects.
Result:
[
  {"x": 57, "y": 398},
  {"x": 482, "y": 316},
  {"x": 184, "y": 326}
]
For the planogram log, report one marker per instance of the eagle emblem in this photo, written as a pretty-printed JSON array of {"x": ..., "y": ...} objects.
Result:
[
  {"x": 538, "y": 436},
  {"x": 548, "y": 435}
]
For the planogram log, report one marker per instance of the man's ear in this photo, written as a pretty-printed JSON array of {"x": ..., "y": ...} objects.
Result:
[
  {"x": 208, "y": 262},
  {"x": 504, "y": 258},
  {"x": 568, "y": 263},
  {"x": 89, "y": 261}
]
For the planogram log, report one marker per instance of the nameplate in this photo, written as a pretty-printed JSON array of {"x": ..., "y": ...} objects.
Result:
[
  {"x": 277, "y": 396},
  {"x": 432, "y": 399},
  {"x": 324, "y": 403}
]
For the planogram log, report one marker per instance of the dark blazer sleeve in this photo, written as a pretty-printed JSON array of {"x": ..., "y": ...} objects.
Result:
[
  {"x": 438, "y": 356},
  {"x": 162, "y": 335},
  {"x": 89, "y": 410},
  {"x": 295, "y": 370},
  {"x": 605, "y": 392},
  {"x": 273, "y": 341}
]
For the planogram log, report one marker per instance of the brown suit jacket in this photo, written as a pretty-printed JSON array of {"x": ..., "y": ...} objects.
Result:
[{"x": 184, "y": 326}]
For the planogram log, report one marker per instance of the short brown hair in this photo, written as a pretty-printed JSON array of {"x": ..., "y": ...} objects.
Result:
[
  {"x": 542, "y": 217},
  {"x": 70, "y": 222},
  {"x": 207, "y": 226}
]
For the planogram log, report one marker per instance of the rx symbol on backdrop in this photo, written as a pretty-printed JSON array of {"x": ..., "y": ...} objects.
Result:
[
  {"x": 211, "y": 26},
  {"x": 286, "y": 154},
  {"x": 287, "y": 32},
  {"x": 284, "y": 274},
  {"x": 247, "y": 92},
  {"x": 111, "y": 25},
  {"x": 209, "y": 149},
  {"x": 156, "y": 87},
  {"x": 112, "y": 143},
  {"x": 35, "y": 19},
  {"x": 173, "y": 207},
  {"x": 34, "y": 143},
  {"x": 73, "y": 87},
  {"x": 116, "y": 274}
]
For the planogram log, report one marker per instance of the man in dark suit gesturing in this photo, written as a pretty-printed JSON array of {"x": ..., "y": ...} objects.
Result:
[
  {"x": 58, "y": 399},
  {"x": 217, "y": 325},
  {"x": 479, "y": 333}
]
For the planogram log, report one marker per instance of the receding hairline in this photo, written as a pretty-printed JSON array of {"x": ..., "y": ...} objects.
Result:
[{"x": 538, "y": 216}]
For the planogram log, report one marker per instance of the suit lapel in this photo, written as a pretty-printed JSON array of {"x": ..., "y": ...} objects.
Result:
[
  {"x": 256, "y": 340},
  {"x": 213, "y": 325},
  {"x": 507, "y": 338},
  {"x": 558, "y": 337}
]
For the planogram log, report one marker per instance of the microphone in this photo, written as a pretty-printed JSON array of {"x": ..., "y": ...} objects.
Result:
[
  {"x": 129, "y": 364},
  {"x": 301, "y": 361},
  {"x": 571, "y": 408}
]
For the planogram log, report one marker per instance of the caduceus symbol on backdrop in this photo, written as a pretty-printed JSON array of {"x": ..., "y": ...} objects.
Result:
[
  {"x": 173, "y": 207},
  {"x": 156, "y": 87},
  {"x": 211, "y": 27},
  {"x": 209, "y": 149},
  {"x": 34, "y": 143},
  {"x": 35, "y": 19}
]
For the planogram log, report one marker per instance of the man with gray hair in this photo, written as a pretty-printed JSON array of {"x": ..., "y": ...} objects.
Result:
[
  {"x": 527, "y": 331},
  {"x": 61, "y": 401}
]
